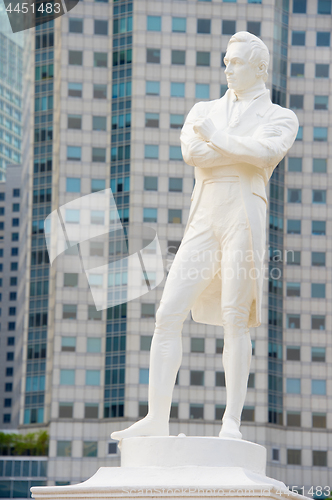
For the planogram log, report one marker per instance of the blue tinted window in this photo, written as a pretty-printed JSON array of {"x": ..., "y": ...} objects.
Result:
[
  {"x": 293, "y": 386},
  {"x": 202, "y": 91},
  {"x": 151, "y": 151},
  {"x": 179, "y": 24},
  {"x": 152, "y": 88},
  {"x": 177, "y": 89},
  {"x": 318, "y": 387},
  {"x": 73, "y": 185},
  {"x": 323, "y": 39},
  {"x": 144, "y": 375},
  {"x": 153, "y": 23}
]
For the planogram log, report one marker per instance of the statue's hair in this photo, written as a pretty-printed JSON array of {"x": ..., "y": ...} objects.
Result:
[{"x": 259, "y": 51}]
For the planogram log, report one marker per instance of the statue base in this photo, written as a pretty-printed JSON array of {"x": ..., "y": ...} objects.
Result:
[{"x": 179, "y": 467}]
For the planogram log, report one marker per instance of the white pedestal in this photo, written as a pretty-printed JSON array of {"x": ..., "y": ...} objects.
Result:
[{"x": 179, "y": 467}]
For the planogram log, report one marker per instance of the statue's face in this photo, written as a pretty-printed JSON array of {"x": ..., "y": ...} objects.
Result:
[{"x": 239, "y": 73}]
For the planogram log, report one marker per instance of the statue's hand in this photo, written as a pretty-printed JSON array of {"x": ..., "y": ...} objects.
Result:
[{"x": 205, "y": 128}]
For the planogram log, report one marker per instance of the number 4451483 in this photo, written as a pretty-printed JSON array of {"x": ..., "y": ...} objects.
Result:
[{"x": 25, "y": 8}]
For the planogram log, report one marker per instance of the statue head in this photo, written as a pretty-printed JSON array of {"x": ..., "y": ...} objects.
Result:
[{"x": 247, "y": 61}]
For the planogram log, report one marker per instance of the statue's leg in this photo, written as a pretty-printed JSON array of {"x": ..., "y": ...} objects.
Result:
[
  {"x": 192, "y": 270},
  {"x": 237, "y": 298}
]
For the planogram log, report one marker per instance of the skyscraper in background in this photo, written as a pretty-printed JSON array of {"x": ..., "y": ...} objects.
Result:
[
  {"x": 11, "y": 69},
  {"x": 113, "y": 83}
]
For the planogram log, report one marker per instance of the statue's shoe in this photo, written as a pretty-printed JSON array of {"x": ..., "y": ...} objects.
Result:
[
  {"x": 230, "y": 429},
  {"x": 145, "y": 427}
]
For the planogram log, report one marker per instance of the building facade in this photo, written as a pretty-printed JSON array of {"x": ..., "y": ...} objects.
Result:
[
  {"x": 11, "y": 87},
  {"x": 113, "y": 83}
]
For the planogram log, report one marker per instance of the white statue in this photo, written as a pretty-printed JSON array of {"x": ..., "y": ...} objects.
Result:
[{"x": 234, "y": 143}]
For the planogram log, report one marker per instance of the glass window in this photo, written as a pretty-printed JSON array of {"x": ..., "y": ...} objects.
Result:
[
  {"x": 150, "y": 183},
  {"x": 293, "y": 226},
  {"x": 176, "y": 121},
  {"x": 178, "y": 57},
  {"x": 317, "y": 322},
  {"x": 98, "y": 155},
  {"x": 324, "y": 7},
  {"x": 63, "y": 449},
  {"x": 223, "y": 90},
  {"x": 202, "y": 58},
  {"x": 100, "y": 59},
  {"x": 299, "y": 136},
  {"x": 173, "y": 246},
  {"x": 319, "y": 458},
  {"x": 293, "y": 457},
  {"x": 318, "y": 290},
  {"x": 197, "y": 344},
  {"x": 293, "y": 289},
  {"x": 151, "y": 151},
  {"x": 147, "y": 310},
  {"x": 254, "y": 27},
  {"x": 319, "y": 165},
  {"x": 318, "y": 227},
  {"x": 254, "y": 1},
  {"x": 228, "y": 27},
  {"x": 322, "y": 102},
  {"x": 74, "y": 153},
  {"x": 75, "y": 25},
  {"x": 153, "y": 56},
  {"x": 177, "y": 89},
  {"x": 142, "y": 409},
  {"x": 319, "y": 196},
  {"x": 75, "y": 57},
  {"x": 152, "y": 120},
  {"x": 174, "y": 216},
  {"x": 68, "y": 344},
  {"x": 69, "y": 311},
  {"x": 175, "y": 153},
  {"x": 293, "y": 353},
  {"x": 100, "y": 27},
  {"x": 298, "y": 37},
  {"x": 297, "y": 69},
  {"x": 293, "y": 321},
  {"x": 73, "y": 185},
  {"x": 100, "y": 91},
  {"x": 93, "y": 344},
  {"x": 248, "y": 414},
  {"x": 179, "y": 24},
  {"x": 150, "y": 214},
  {"x": 296, "y": 101},
  {"x": 322, "y": 71},
  {"x": 175, "y": 184},
  {"x": 66, "y": 410},
  {"x": 97, "y": 185},
  {"x": 293, "y": 386},
  {"x": 299, "y": 6},
  {"x": 319, "y": 420},
  {"x": 294, "y": 195},
  {"x": 92, "y": 377},
  {"x": 275, "y": 454},
  {"x": 93, "y": 314},
  {"x": 318, "y": 387},
  {"x": 74, "y": 89},
  {"x": 153, "y": 23},
  {"x": 70, "y": 279},
  {"x": 75, "y": 121},
  {"x": 196, "y": 411},
  {"x": 145, "y": 342},
  {"x": 99, "y": 123},
  {"x": 318, "y": 259},
  {"x": 196, "y": 377},
  {"x": 90, "y": 448},
  {"x": 203, "y": 25},
  {"x": 91, "y": 410},
  {"x": 318, "y": 354},
  {"x": 67, "y": 377},
  {"x": 220, "y": 380},
  {"x": 202, "y": 91},
  {"x": 219, "y": 346},
  {"x": 144, "y": 376},
  {"x": 219, "y": 410},
  {"x": 323, "y": 38},
  {"x": 152, "y": 88},
  {"x": 320, "y": 134},
  {"x": 295, "y": 164}
]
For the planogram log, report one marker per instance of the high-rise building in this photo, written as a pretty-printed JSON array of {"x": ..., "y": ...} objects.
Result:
[
  {"x": 113, "y": 83},
  {"x": 12, "y": 262},
  {"x": 11, "y": 68}
]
